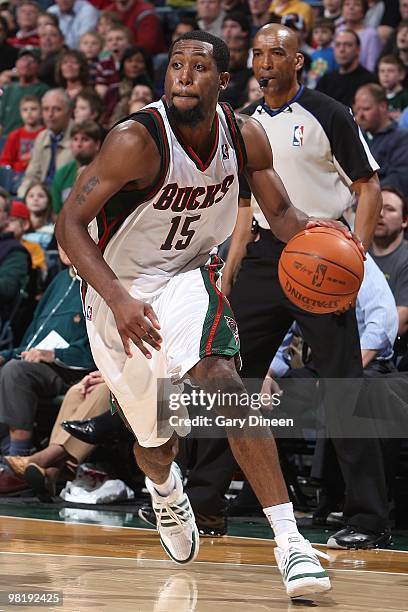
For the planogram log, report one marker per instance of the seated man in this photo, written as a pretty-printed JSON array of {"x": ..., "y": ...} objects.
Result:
[
  {"x": 15, "y": 262},
  {"x": 88, "y": 398},
  {"x": 54, "y": 354}
]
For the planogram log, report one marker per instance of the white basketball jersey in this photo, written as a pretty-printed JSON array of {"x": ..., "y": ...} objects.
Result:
[{"x": 148, "y": 237}]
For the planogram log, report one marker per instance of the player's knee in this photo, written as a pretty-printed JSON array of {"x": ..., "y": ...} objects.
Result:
[{"x": 158, "y": 455}]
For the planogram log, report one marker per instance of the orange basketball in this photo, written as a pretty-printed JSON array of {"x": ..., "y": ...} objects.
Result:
[{"x": 321, "y": 270}]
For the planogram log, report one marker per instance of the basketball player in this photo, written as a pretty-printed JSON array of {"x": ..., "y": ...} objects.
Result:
[
  {"x": 164, "y": 191},
  {"x": 322, "y": 159}
]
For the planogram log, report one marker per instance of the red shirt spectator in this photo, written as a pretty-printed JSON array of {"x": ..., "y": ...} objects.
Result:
[
  {"x": 27, "y": 35},
  {"x": 141, "y": 19},
  {"x": 17, "y": 149}
]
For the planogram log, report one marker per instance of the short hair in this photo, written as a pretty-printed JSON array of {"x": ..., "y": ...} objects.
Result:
[
  {"x": 30, "y": 3},
  {"x": 402, "y": 197},
  {"x": 95, "y": 102},
  {"x": 52, "y": 17},
  {"x": 96, "y": 35},
  {"x": 323, "y": 22},
  {"x": 83, "y": 67},
  {"x": 63, "y": 94},
  {"x": 376, "y": 92},
  {"x": 220, "y": 50},
  {"x": 402, "y": 25},
  {"x": 240, "y": 18},
  {"x": 90, "y": 128},
  {"x": 110, "y": 16},
  {"x": 56, "y": 27},
  {"x": 188, "y": 20},
  {"x": 30, "y": 98},
  {"x": 392, "y": 59},
  {"x": 7, "y": 198},
  {"x": 121, "y": 28},
  {"x": 353, "y": 33},
  {"x": 364, "y": 5}
]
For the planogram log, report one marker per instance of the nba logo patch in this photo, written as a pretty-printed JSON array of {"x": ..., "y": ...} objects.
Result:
[
  {"x": 225, "y": 151},
  {"x": 89, "y": 313},
  {"x": 297, "y": 140}
]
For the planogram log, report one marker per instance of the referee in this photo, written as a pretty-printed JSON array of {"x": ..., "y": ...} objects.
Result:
[{"x": 322, "y": 160}]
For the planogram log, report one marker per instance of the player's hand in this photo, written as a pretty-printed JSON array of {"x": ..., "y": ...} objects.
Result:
[
  {"x": 136, "y": 321},
  {"x": 339, "y": 226}
]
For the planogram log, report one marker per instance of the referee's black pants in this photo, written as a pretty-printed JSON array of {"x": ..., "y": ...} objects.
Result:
[{"x": 264, "y": 315}]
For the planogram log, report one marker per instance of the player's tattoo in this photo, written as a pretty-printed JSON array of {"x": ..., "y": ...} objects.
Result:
[{"x": 87, "y": 188}]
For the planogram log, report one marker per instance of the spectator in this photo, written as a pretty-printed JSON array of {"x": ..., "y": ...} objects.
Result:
[
  {"x": 390, "y": 251},
  {"x": 254, "y": 91},
  {"x": 235, "y": 25},
  {"x": 45, "y": 19},
  {"x": 260, "y": 14},
  {"x": 51, "y": 45},
  {"x": 332, "y": 11},
  {"x": 54, "y": 354},
  {"x": 322, "y": 60},
  {"x": 235, "y": 94},
  {"x": 402, "y": 47},
  {"x": 107, "y": 20},
  {"x": 87, "y": 105},
  {"x": 343, "y": 83},
  {"x": 210, "y": 16},
  {"x": 15, "y": 261},
  {"x": 141, "y": 95},
  {"x": 388, "y": 143},
  {"x": 391, "y": 74},
  {"x": 296, "y": 23},
  {"x": 88, "y": 398},
  {"x": 18, "y": 224},
  {"x": 86, "y": 140},
  {"x": 27, "y": 36},
  {"x": 141, "y": 19},
  {"x": 118, "y": 39},
  {"x": 51, "y": 148},
  {"x": 283, "y": 7},
  {"x": 91, "y": 45},
  {"x": 75, "y": 17},
  {"x": 71, "y": 72},
  {"x": 28, "y": 84},
  {"x": 17, "y": 149},
  {"x": 353, "y": 12},
  {"x": 39, "y": 204},
  {"x": 135, "y": 68},
  {"x": 8, "y": 54}
]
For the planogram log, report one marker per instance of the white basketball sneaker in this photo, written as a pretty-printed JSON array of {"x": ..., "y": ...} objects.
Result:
[
  {"x": 300, "y": 568},
  {"x": 175, "y": 521}
]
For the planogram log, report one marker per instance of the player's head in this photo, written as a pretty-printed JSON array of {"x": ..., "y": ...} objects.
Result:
[
  {"x": 197, "y": 72},
  {"x": 277, "y": 59}
]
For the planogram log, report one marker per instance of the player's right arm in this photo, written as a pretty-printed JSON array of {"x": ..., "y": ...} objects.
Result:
[{"x": 128, "y": 154}]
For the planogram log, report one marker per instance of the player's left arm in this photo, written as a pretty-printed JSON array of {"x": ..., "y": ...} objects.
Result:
[{"x": 368, "y": 191}]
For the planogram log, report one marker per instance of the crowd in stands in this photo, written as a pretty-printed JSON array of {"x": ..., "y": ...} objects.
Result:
[{"x": 69, "y": 71}]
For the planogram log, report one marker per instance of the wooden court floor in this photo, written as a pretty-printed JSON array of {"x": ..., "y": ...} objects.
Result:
[{"x": 122, "y": 569}]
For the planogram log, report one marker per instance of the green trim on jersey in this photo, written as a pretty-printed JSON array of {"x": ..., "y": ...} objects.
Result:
[{"x": 220, "y": 331}]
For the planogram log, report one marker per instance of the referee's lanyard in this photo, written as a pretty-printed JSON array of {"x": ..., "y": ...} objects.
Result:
[{"x": 273, "y": 112}]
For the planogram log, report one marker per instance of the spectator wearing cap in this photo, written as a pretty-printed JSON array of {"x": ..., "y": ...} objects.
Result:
[
  {"x": 26, "y": 36},
  {"x": 343, "y": 83},
  {"x": 388, "y": 143},
  {"x": 54, "y": 354},
  {"x": 8, "y": 54},
  {"x": 27, "y": 66},
  {"x": 353, "y": 12},
  {"x": 142, "y": 20},
  {"x": 283, "y": 7},
  {"x": 75, "y": 17},
  {"x": 51, "y": 45},
  {"x": 86, "y": 140},
  {"x": 18, "y": 224},
  {"x": 236, "y": 92},
  {"x": 51, "y": 148},
  {"x": 260, "y": 14},
  {"x": 210, "y": 16},
  {"x": 15, "y": 262}
]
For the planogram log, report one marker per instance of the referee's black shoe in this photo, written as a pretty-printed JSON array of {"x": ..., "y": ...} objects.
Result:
[
  {"x": 351, "y": 537},
  {"x": 214, "y": 526}
]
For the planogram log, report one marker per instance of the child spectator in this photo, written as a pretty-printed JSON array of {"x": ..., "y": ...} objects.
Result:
[
  {"x": 107, "y": 20},
  {"x": 39, "y": 204},
  {"x": 17, "y": 149},
  {"x": 91, "y": 44},
  {"x": 19, "y": 223},
  {"x": 322, "y": 60},
  {"x": 87, "y": 105},
  {"x": 391, "y": 73},
  {"x": 71, "y": 71},
  {"x": 118, "y": 39}
]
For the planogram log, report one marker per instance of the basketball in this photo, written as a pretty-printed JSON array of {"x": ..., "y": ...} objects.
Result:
[{"x": 321, "y": 270}]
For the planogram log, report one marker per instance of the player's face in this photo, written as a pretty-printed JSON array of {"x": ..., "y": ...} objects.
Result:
[
  {"x": 193, "y": 82},
  {"x": 275, "y": 57},
  {"x": 391, "y": 221}
]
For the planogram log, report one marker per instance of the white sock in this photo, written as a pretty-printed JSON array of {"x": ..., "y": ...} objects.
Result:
[
  {"x": 283, "y": 523},
  {"x": 167, "y": 486}
]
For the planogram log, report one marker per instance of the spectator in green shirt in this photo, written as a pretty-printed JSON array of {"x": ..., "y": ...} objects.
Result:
[
  {"x": 86, "y": 140},
  {"x": 27, "y": 67}
]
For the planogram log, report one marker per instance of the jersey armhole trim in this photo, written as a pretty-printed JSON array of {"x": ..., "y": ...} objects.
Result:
[{"x": 236, "y": 136}]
